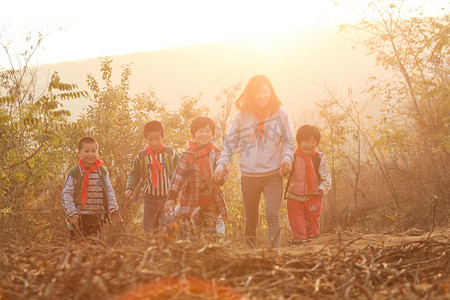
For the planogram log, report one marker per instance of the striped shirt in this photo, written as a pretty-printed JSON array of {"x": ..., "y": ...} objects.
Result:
[
  {"x": 162, "y": 187},
  {"x": 97, "y": 179},
  {"x": 94, "y": 204},
  {"x": 142, "y": 169}
]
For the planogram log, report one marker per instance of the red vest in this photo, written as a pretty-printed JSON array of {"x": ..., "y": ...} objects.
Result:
[{"x": 297, "y": 184}]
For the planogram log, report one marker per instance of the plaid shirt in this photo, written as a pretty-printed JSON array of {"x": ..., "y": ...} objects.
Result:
[{"x": 186, "y": 179}]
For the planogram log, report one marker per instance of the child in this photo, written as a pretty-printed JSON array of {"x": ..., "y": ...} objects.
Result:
[
  {"x": 262, "y": 134},
  {"x": 88, "y": 196},
  {"x": 201, "y": 197},
  {"x": 308, "y": 182},
  {"x": 155, "y": 164}
]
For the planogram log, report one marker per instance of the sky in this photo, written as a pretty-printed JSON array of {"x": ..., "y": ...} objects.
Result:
[{"x": 99, "y": 28}]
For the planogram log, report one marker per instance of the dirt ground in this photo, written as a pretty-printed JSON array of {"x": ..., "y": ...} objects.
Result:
[
  {"x": 357, "y": 241},
  {"x": 344, "y": 265}
]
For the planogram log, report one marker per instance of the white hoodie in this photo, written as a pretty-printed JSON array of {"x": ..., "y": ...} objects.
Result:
[{"x": 258, "y": 158}]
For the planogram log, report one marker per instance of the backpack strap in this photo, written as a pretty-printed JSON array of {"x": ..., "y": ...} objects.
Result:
[
  {"x": 144, "y": 161},
  {"x": 106, "y": 216},
  {"x": 168, "y": 159},
  {"x": 75, "y": 172},
  {"x": 316, "y": 158}
]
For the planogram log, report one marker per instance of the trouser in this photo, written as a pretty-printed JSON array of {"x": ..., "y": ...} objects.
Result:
[
  {"x": 204, "y": 224},
  {"x": 304, "y": 217},
  {"x": 272, "y": 187},
  {"x": 89, "y": 225},
  {"x": 153, "y": 212}
]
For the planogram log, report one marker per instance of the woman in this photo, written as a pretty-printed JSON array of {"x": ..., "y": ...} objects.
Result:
[{"x": 262, "y": 135}]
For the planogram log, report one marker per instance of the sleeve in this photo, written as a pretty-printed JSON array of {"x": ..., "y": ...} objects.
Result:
[
  {"x": 287, "y": 144},
  {"x": 68, "y": 193},
  {"x": 112, "y": 202},
  {"x": 231, "y": 144},
  {"x": 176, "y": 158},
  {"x": 134, "y": 175},
  {"x": 325, "y": 174},
  {"x": 178, "y": 178},
  {"x": 216, "y": 164}
]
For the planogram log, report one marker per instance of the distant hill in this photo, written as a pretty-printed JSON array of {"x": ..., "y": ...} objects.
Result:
[{"x": 297, "y": 63}]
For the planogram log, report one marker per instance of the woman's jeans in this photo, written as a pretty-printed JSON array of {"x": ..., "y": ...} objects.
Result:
[{"x": 272, "y": 187}]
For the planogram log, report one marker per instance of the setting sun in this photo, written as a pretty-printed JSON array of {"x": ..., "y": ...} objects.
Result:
[
  {"x": 241, "y": 149},
  {"x": 100, "y": 28}
]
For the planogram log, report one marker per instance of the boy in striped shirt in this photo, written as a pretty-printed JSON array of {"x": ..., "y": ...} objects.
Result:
[
  {"x": 155, "y": 165},
  {"x": 88, "y": 196}
]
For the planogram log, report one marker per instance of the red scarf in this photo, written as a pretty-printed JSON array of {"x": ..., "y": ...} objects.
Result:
[
  {"x": 309, "y": 167},
  {"x": 262, "y": 119},
  {"x": 84, "y": 188},
  {"x": 203, "y": 157},
  {"x": 155, "y": 164}
]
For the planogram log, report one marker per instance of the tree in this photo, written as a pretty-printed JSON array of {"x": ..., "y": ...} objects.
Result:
[
  {"x": 30, "y": 119},
  {"x": 416, "y": 50},
  {"x": 226, "y": 98},
  {"x": 410, "y": 141},
  {"x": 334, "y": 136}
]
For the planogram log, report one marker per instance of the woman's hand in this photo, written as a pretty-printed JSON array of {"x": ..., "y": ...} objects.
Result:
[
  {"x": 218, "y": 175},
  {"x": 286, "y": 168}
]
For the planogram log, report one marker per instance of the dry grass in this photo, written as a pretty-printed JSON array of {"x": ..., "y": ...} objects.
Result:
[{"x": 333, "y": 267}]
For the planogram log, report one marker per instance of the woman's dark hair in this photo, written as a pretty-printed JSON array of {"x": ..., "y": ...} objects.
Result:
[{"x": 247, "y": 99}]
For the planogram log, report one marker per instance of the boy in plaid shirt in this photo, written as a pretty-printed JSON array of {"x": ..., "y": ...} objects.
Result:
[{"x": 201, "y": 197}]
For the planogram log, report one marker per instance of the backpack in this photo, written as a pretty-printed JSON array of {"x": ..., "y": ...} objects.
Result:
[{"x": 316, "y": 158}]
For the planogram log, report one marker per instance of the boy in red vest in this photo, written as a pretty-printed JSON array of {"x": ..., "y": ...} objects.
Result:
[
  {"x": 88, "y": 196},
  {"x": 155, "y": 165},
  {"x": 201, "y": 197},
  {"x": 308, "y": 182}
]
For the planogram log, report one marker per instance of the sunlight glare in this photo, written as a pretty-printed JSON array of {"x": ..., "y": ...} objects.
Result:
[{"x": 100, "y": 28}]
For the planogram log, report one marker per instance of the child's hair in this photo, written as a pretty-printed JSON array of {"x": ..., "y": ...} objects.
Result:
[
  {"x": 153, "y": 126},
  {"x": 86, "y": 140},
  {"x": 201, "y": 122},
  {"x": 307, "y": 131},
  {"x": 246, "y": 99}
]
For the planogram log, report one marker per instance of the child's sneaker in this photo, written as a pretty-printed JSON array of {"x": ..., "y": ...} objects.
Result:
[
  {"x": 298, "y": 242},
  {"x": 312, "y": 237}
]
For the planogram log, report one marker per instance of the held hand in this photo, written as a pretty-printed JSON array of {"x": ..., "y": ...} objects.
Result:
[
  {"x": 222, "y": 180},
  {"x": 168, "y": 205},
  {"x": 218, "y": 175},
  {"x": 128, "y": 193},
  {"x": 286, "y": 168}
]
